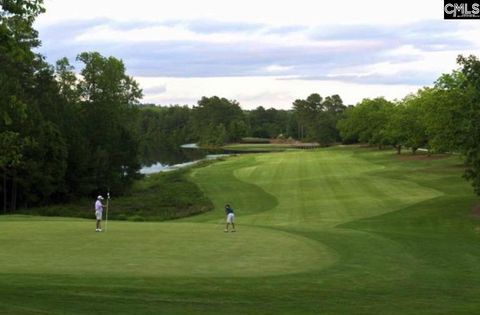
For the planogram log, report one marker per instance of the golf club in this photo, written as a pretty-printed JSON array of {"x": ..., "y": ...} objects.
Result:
[{"x": 106, "y": 215}]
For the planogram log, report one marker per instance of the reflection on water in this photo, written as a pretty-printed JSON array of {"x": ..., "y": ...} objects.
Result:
[
  {"x": 190, "y": 146},
  {"x": 159, "y": 167},
  {"x": 169, "y": 158}
]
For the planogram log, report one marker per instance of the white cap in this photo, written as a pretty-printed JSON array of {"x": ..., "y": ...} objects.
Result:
[{"x": 100, "y": 197}]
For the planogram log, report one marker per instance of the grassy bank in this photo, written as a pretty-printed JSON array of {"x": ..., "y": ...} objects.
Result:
[
  {"x": 257, "y": 147},
  {"x": 269, "y": 147},
  {"x": 329, "y": 231},
  {"x": 157, "y": 197}
]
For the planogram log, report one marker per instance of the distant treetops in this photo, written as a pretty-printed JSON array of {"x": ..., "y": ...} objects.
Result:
[{"x": 442, "y": 118}]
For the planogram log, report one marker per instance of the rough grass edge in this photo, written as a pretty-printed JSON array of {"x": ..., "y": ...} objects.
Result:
[{"x": 146, "y": 202}]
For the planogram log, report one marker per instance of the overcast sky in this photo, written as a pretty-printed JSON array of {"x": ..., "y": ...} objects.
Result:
[{"x": 263, "y": 52}]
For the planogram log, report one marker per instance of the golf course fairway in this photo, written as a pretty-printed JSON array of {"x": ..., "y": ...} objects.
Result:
[{"x": 343, "y": 230}]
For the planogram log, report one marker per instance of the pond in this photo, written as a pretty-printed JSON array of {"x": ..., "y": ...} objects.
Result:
[{"x": 168, "y": 159}]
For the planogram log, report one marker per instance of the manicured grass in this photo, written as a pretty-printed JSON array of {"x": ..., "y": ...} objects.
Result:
[
  {"x": 150, "y": 250},
  {"x": 255, "y": 140},
  {"x": 330, "y": 231},
  {"x": 258, "y": 147}
]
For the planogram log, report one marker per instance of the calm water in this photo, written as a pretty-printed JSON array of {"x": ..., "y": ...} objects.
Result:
[{"x": 169, "y": 159}]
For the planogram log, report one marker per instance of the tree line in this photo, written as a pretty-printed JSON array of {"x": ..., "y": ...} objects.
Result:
[
  {"x": 215, "y": 121},
  {"x": 61, "y": 135},
  {"x": 442, "y": 118},
  {"x": 66, "y": 133}
]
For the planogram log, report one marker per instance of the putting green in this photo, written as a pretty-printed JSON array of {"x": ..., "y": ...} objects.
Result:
[{"x": 155, "y": 249}]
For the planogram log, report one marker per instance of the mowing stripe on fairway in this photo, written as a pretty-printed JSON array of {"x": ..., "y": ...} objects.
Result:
[{"x": 310, "y": 188}]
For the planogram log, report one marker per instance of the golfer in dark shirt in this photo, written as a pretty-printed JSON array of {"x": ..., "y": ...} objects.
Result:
[{"x": 230, "y": 217}]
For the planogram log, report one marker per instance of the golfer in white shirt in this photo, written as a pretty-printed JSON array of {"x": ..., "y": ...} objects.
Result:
[{"x": 98, "y": 213}]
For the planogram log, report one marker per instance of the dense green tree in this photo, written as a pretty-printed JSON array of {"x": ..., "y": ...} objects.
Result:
[
  {"x": 20, "y": 119},
  {"x": 414, "y": 123},
  {"x": 42, "y": 175},
  {"x": 395, "y": 132},
  {"x": 367, "y": 121},
  {"x": 109, "y": 96},
  {"x": 406, "y": 126},
  {"x": 77, "y": 179},
  {"x": 214, "y": 112},
  {"x": 162, "y": 130},
  {"x": 237, "y": 129},
  {"x": 317, "y": 117},
  {"x": 270, "y": 123},
  {"x": 61, "y": 137},
  {"x": 470, "y": 142},
  {"x": 307, "y": 112},
  {"x": 11, "y": 158},
  {"x": 258, "y": 119}
]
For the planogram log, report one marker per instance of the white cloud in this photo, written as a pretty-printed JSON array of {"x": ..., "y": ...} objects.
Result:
[
  {"x": 181, "y": 32},
  {"x": 303, "y": 12},
  {"x": 244, "y": 50},
  {"x": 277, "y": 68},
  {"x": 266, "y": 91}
]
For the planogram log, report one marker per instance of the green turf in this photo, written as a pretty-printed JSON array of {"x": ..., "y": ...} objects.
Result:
[
  {"x": 330, "y": 231},
  {"x": 152, "y": 250},
  {"x": 259, "y": 147}
]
